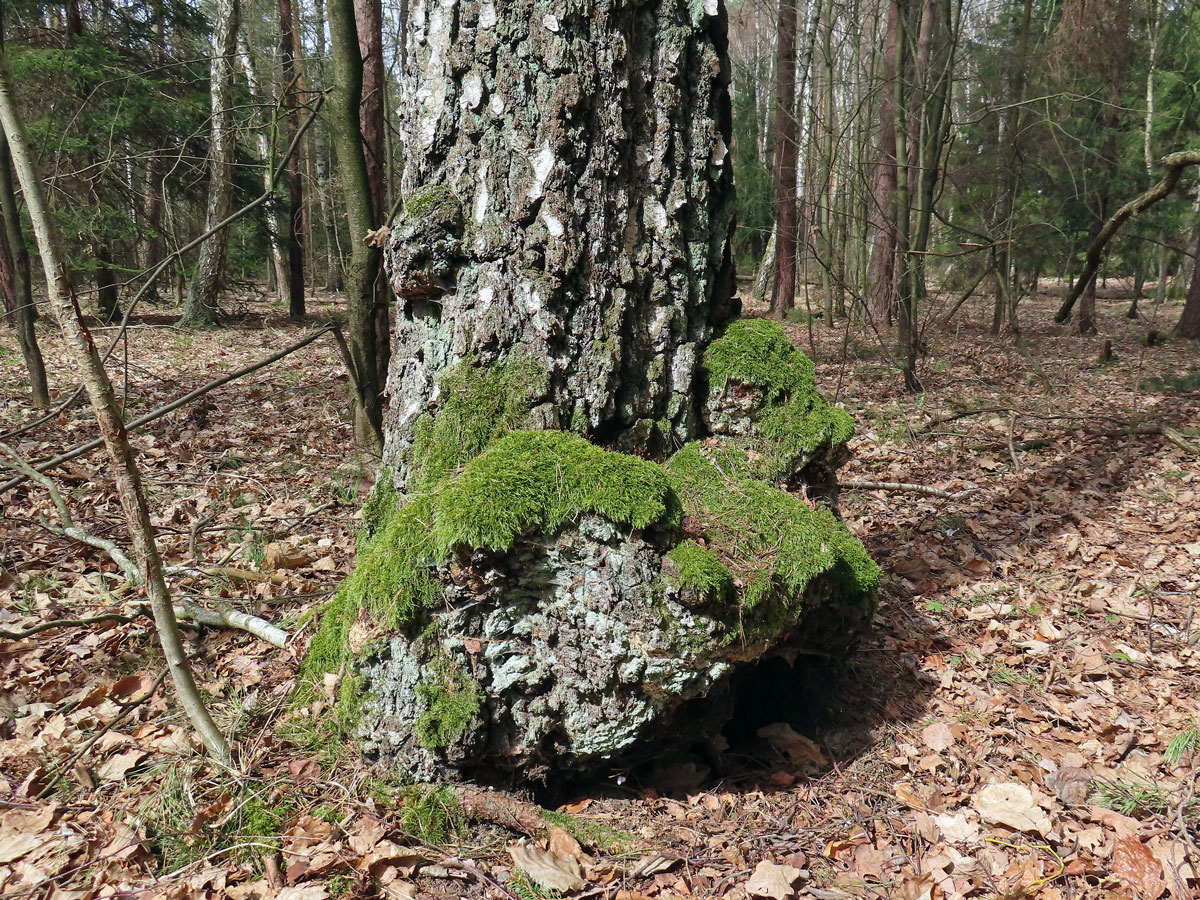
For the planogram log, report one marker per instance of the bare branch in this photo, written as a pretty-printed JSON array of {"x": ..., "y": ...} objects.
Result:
[
  {"x": 169, "y": 407},
  {"x": 922, "y": 489},
  {"x": 1175, "y": 164}
]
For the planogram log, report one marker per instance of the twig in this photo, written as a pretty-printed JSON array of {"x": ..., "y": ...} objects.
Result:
[
  {"x": 119, "y": 618},
  {"x": 169, "y": 407},
  {"x": 922, "y": 489},
  {"x": 1012, "y": 450},
  {"x": 225, "y": 616}
]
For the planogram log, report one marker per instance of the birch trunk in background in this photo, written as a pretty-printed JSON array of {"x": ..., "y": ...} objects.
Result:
[{"x": 201, "y": 307}]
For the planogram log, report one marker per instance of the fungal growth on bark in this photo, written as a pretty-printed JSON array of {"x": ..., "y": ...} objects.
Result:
[{"x": 603, "y": 498}]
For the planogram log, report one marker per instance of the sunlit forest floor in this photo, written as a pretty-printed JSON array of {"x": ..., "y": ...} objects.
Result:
[{"x": 1023, "y": 719}]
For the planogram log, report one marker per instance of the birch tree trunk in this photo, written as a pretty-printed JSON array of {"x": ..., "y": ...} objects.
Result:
[
  {"x": 569, "y": 198},
  {"x": 201, "y": 307},
  {"x": 783, "y": 292},
  {"x": 275, "y": 226}
]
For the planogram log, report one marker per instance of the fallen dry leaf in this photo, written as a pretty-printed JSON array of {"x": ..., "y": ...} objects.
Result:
[
  {"x": 1136, "y": 866},
  {"x": 547, "y": 868},
  {"x": 563, "y": 843},
  {"x": 956, "y": 828},
  {"x": 793, "y": 745},
  {"x": 773, "y": 880},
  {"x": 1013, "y": 805},
  {"x": 938, "y": 737},
  {"x": 116, "y": 768},
  {"x": 1072, "y": 784}
]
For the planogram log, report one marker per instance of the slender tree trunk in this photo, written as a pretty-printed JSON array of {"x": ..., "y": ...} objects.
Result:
[
  {"x": 275, "y": 226},
  {"x": 368, "y": 16},
  {"x": 906, "y": 318},
  {"x": 783, "y": 294},
  {"x": 202, "y": 307},
  {"x": 295, "y": 235},
  {"x": 108, "y": 416},
  {"x": 333, "y": 260},
  {"x": 16, "y": 256},
  {"x": 882, "y": 274},
  {"x": 344, "y": 124},
  {"x": 1189, "y": 321},
  {"x": 106, "y": 288}
]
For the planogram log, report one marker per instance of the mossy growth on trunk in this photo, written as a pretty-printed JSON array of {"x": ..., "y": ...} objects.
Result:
[
  {"x": 720, "y": 563},
  {"x": 763, "y": 394}
]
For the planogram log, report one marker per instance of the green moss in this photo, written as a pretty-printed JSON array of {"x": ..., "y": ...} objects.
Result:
[
  {"x": 545, "y": 479},
  {"x": 701, "y": 569},
  {"x": 379, "y": 507},
  {"x": 432, "y": 814},
  {"x": 796, "y": 421},
  {"x": 479, "y": 403},
  {"x": 431, "y": 200},
  {"x": 758, "y": 353},
  {"x": 773, "y": 543},
  {"x": 452, "y": 700},
  {"x": 592, "y": 834},
  {"x": 525, "y": 480}
]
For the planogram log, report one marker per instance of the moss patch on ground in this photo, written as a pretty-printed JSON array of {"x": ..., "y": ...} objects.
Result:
[{"x": 796, "y": 420}]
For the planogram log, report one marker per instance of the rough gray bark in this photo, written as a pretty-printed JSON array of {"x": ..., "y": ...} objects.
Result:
[
  {"x": 527, "y": 602},
  {"x": 578, "y": 670},
  {"x": 201, "y": 307},
  {"x": 568, "y": 191}
]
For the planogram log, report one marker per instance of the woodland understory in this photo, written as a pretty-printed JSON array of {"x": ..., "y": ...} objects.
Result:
[{"x": 1021, "y": 719}]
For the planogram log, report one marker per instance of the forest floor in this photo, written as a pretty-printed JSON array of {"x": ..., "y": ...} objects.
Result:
[{"x": 1023, "y": 719}]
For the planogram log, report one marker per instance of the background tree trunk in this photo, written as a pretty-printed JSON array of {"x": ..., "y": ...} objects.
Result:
[
  {"x": 569, "y": 197},
  {"x": 275, "y": 227},
  {"x": 295, "y": 234},
  {"x": 1189, "y": 321},
  {"x": 783, "y": 292},
  {"x": 882, "y": 273},
  {"x": 24, "y": 313},
  {"x": 201, "y": 307},
  {"x": 363, "y": 267},
  {"x": 368, "y": 16}
]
